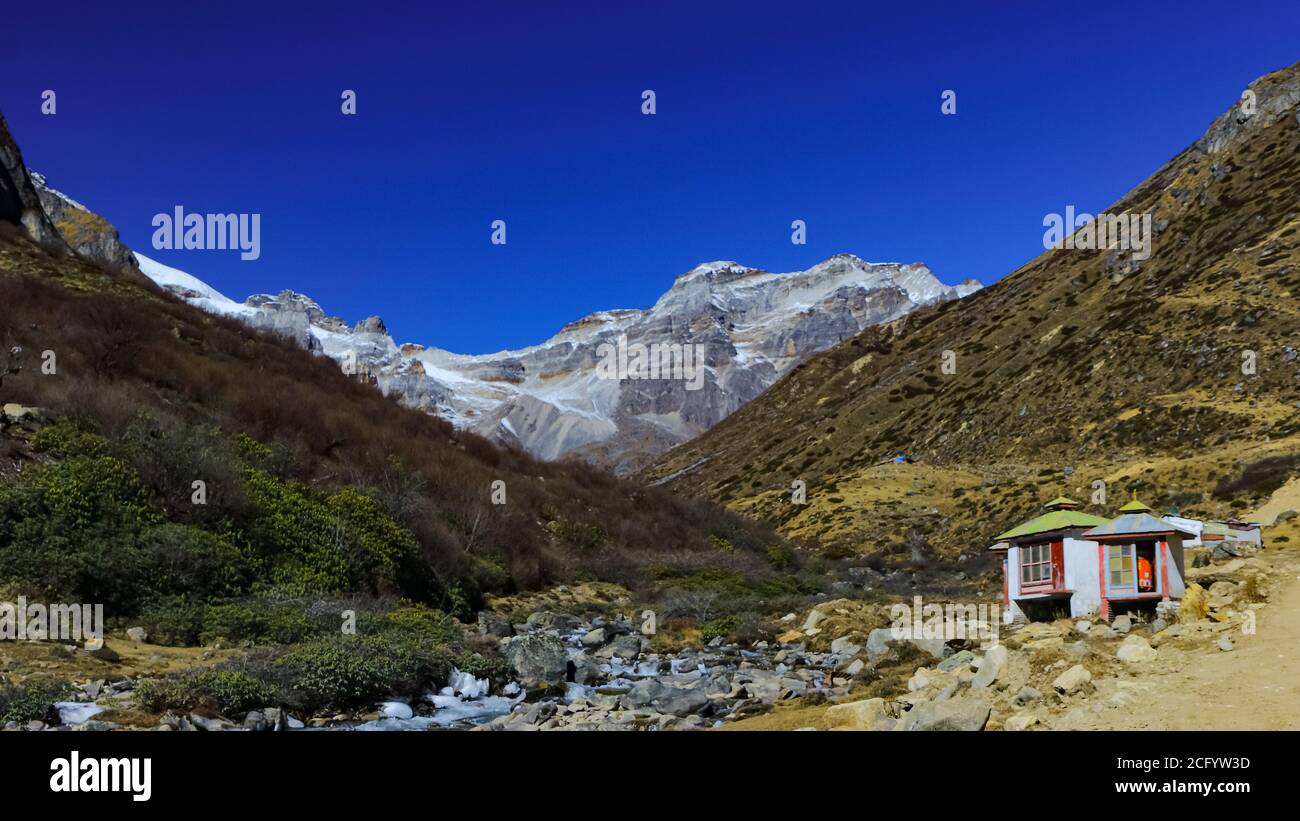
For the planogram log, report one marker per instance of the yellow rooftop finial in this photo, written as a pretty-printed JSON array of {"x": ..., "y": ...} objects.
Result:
[{"x": 1135, "y": 506}]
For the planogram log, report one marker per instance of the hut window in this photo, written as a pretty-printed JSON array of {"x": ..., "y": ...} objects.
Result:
[
  {"x": 1036, "y": 564},
  {"x": 1120, "y": 562}
]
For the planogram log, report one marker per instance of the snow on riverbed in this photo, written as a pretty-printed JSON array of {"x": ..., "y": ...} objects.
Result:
[{"x": 464, "y": 701}]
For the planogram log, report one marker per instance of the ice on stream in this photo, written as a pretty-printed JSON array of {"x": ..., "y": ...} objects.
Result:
[
  {"x": 464, "y": 700},
  {"x": 76, "y": 712}
]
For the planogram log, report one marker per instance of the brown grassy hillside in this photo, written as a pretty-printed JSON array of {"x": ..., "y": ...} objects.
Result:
[
  {"x": 175, "y": 389},
  {"x": 1077, "y": 366}
]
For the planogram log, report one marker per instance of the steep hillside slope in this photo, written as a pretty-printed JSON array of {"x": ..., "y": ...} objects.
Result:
[
  {"x": 1180, "y": 371},
  {"x": 149, "y": 449},
  {"x": 716, "y": 339}
]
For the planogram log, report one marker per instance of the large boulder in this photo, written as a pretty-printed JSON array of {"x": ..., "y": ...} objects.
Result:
[
  {"x": 539, "y": 660},
  {"x": 1073, "y": 680},
  {"x": 1135, "y": 650},
  {"x": 868, "y": 714},
  {"x": 990, "y": 666},
  {"x": 964, "y": 714},
  {"x": 654, "y": 695}
]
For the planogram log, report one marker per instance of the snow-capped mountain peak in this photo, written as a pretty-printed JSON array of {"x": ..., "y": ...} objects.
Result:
[{"x": 748, "y": 326}]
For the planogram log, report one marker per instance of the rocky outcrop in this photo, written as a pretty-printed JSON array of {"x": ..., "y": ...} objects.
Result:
[
  {"x": 20, "y": 204},
  {"x": 89, "y": 235}
]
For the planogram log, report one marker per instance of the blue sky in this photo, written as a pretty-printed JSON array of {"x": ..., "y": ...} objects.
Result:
[{"x": 829, "y": 113}]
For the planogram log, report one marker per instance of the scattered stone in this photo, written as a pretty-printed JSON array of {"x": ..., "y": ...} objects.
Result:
[
  {"x": 868, "y": 714},
  {"x": 106, "y": 653},
  {"x": 539, "y": 660},
  {"x": 1026, "y": 696},
  {"x": 490, "y": 624},
  {"x": 964, "y": 714},
  {"x": 1122, "y": 624},
  {"x": 1225, "y": 644},
  {"x": 995, "y": 658},
  {"x": 1135, "y": 650},
  {"x": 1073, "y": 680},
  {"x": 962, "y": 658},
  {"x": 1020, "y": 723},
  {"x": 137, "y": 634},
  {"x": 211, "y": 725},
  {"x": 845, "y": 646},
  {"x": 595, "y": 638},
  {"x": 545, "y": 619}
]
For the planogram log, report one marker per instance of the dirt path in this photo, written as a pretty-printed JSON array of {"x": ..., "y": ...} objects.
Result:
[{"x": 1254, "y": 687}]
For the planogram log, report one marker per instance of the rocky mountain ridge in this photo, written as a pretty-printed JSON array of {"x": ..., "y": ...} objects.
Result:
[{"x": 748, "y": 327}]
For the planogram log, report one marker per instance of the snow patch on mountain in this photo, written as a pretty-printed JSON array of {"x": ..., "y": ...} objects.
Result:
[{"x": 552, "y": 400}]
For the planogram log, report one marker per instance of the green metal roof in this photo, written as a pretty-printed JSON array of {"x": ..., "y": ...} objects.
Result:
[
  {"x": 1053, "y": 520},
  {"x": 1134, "y": 506},
  {"x": 1061, "y": 502}
]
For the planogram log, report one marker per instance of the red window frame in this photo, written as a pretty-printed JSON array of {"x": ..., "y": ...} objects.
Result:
[{"x": 1042, "y": 558}]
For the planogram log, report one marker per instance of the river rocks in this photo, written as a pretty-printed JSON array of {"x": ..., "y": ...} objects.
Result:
[
  {"x": 539, "y": 660},
  {"x": 990, "y": 666},
  {"x": 964, "y": 714},
  {"x": 553, "y": 621},
  {"x": 490, "y": 624},
  {"x": 1135, "y": 650},
  {"x": 211, "y": 724},
  {"x": 1074, "y": 680},
  {"x": 595, "y": 638},
  {"x": 626, "y": 647},
  {"x": 396, "y": 709}
]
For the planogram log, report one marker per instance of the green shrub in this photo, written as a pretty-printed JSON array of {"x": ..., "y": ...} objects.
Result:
[
  {"x": 71, "y": 530},
  {"x": 226, "y": 690},
  {"x": 186, "y": 559},
  {"x": 255, "y": 622},
  {"x": 343, "y": 671},
  {"x": 323, "y": 544},
  {"x": 64, "y": 440},
  {"x": 719, "y": 627},
  {"x": 175, "y": 621},
  {"x": 781, "y": 557},
  {"x": 33, "y": 700}
]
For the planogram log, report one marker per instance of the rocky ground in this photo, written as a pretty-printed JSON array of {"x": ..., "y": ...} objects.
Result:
[
  {"x": 1230, "y": 646},
  {"x": 837, "y": 666}
]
